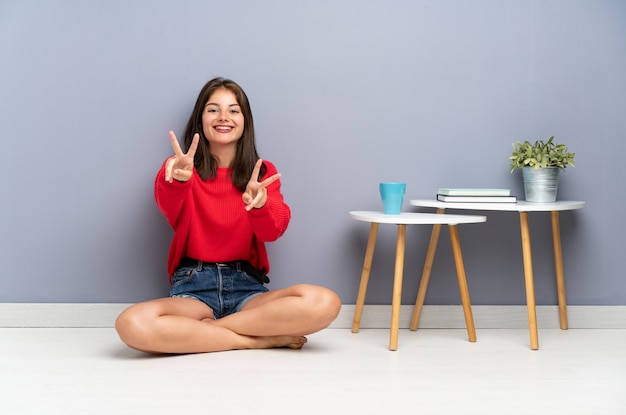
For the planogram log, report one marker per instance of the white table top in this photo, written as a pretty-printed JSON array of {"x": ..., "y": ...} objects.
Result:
[
  {"x": 415, "y": 218},
  {"x": 520, "y": 206}
]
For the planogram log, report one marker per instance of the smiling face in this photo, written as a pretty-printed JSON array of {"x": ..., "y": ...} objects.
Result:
[{"x": 222, "y": 121}]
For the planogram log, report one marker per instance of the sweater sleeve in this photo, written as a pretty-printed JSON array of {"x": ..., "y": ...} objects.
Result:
[
  {"x": 170, "y": 197},
  {"x": 271, "y": 221}
]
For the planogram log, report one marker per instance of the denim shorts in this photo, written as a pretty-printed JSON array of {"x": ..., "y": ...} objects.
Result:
[{"x": 225, "y": 289}]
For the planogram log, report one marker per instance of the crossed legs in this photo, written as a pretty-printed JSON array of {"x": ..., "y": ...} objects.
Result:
[{"x": 278, "y": 318}]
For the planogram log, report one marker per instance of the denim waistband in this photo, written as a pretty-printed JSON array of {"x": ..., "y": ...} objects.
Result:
[{"x": 244, "y": 266}]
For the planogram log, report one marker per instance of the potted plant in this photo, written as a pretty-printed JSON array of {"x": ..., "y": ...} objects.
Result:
[{"x": 540, "y": 163}]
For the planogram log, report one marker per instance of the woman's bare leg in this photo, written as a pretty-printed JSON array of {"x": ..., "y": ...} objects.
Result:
[
  {"x": 295, "y": 311},
  {"x": 185, "y": 325},
  {"x": 277, "y": 318}
]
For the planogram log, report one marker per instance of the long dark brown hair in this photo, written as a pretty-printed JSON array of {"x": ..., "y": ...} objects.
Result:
[{"x": 246, "y": 155}]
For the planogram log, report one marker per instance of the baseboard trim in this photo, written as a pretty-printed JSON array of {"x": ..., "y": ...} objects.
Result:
[
  {"x": 490, "y": 317},
  {"x": 374, "y": 316}
]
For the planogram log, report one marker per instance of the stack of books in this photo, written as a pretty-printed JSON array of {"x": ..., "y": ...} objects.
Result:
[{"x": 475, "y": 195}]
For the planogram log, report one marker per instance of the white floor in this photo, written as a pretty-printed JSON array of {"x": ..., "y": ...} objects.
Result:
[{"x": 434, "y": 371}]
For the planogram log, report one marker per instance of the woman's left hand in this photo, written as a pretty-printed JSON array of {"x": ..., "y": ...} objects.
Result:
[{"x": 255, "y": 195}]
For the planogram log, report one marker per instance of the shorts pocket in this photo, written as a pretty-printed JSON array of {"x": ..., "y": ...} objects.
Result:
[
  {"x": 183, "y": 275},
  {"x": 250, "y": 278}
]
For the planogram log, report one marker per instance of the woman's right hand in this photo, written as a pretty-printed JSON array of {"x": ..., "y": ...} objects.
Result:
[{"x": 180, "y": 165}]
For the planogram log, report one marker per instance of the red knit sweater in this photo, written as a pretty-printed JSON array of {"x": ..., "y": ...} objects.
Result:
[{"x": 210, "y": 221}]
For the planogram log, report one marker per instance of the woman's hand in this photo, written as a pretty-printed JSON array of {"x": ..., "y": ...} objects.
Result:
[
  {"x": 255, "y": 195},
  {"x": 180, "y": 165}
]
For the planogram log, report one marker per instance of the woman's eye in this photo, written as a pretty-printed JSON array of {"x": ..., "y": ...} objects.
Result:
[
  {"x": 211, "y": 110},
  {"x": 234, "y": 111}
]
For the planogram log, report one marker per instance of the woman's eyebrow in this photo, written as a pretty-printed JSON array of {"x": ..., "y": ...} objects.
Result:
[{"x": 217, "y": 105}]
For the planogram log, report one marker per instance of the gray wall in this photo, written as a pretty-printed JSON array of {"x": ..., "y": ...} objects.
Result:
[{"x": 345, "y": 94}]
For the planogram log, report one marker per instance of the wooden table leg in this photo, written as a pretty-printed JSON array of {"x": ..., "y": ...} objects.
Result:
[
  {"x": 365, "y": 276},
  {"x": 397, "y": 288},
  {"x": 558, "y": 263},
  {"x": 428, "y": 266},
  {"x": 530, "y": 286},
  {"x": 460, "y": 272}
]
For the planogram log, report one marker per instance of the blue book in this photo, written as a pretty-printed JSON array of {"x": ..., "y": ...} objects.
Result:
[
  {"x": 472, "y": 191},
  {"x": 477, "y": 199}
]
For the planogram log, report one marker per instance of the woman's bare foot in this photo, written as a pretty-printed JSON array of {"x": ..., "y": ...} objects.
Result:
[{"x": 292, "y": 342}]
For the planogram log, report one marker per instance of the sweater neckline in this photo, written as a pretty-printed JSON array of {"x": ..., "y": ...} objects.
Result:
[{"x": 223, "y": 171}]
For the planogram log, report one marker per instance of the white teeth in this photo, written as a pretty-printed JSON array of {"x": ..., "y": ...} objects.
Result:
[{"x": 223, "y": 128}]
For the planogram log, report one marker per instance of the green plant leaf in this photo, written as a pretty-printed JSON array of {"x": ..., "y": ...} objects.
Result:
[{"x": 540, "y": 154}]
